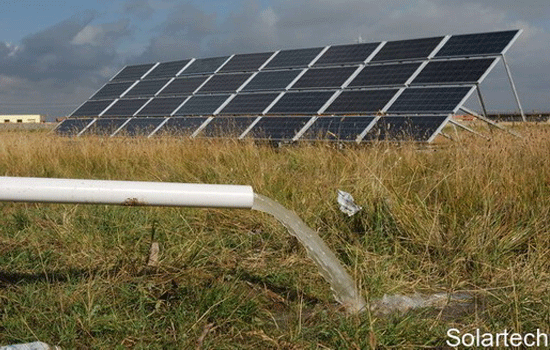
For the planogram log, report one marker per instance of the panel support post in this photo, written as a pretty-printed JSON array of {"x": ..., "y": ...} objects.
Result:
[
  {"x": 455, "y": 124},
  {"x": 481, "y": 101},
  {"x": 489, "y": 121},
  {"x": 515, "y": 91},
  {"x": 483, "y": 107}
]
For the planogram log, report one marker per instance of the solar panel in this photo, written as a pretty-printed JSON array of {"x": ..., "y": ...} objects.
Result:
[
  {"x": 361, "y": 101},
  {"x": 181, "y": 126},
  {"x": 429, "y": 100},
  {"x": 271, "y": 80},
  {"x": 246, "y": 62},
  {"x": 71, "y": 127},
  {"x": 91, "y": 108},
  {"x": 183, "y": 86},
  {"x": 477, "y": 44},
  {"x": 227, "y": 126},
  {"x": 111, "y": 91},
  {"x": 146, "y": 88},
  {"x": 346, "y": 54},
  {"x": 105, "y": 126},
  {"x": 161, "y": 106},
  {"x": 125, "y": 108},
  {"x": 299, "y": 58},
  {"x": 202, "y": 105},
  {"x": 337, "y": 128},
  {"x": 399, "y": 128},
  {"x": 249, "y": 103},
  {"x": 224, "y": 83},
  {"x": 384, "y": 75},
  {"x": 277, "y": 128},
  {"x": 407, "y": 49},
  {"x": 308, "y": 102},
  {"x": 204, "y": 65},
  {"x": 140, "y": 126},
  {"x": 348, "y": 84},
  {"x": 324, "y": 78},
  {"x": 133, "y": 72},
  {"x": 167, "y": 69},
  {"x": 456, "y": 71}
]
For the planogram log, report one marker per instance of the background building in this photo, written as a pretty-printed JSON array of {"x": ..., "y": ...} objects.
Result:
[{"x": 21, "y": 118}]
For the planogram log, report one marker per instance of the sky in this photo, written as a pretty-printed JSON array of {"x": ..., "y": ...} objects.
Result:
[{"x": 55, "y": 54}]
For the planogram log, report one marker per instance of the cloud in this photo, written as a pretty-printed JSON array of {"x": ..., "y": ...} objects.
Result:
[
  {"x": 69, "y": 61},
  {"x": 139, "y": 8},
  {"x": 65, "y": 62},
  {"x": 181, "y": 35}
]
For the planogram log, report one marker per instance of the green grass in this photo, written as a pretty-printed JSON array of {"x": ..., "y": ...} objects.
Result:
[{"x": 465, "y": 216}]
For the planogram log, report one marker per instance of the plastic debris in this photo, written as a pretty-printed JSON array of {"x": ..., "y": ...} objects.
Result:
[
  {"x": 30, "y": 346},
  {"x": 347, "y": 204}
]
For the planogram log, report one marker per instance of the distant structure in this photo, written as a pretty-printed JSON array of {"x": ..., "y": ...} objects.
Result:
[{"x": 21, "y": 118}]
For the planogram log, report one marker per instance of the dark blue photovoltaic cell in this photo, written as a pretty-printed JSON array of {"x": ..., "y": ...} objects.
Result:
[
  {"x": 429, "y": 100},
  {"x": 271, "y": 80},
  {"x": 455, "y": 71},
  {"x": 124, "y": 108},
  {"x": 71, "y": 127},
  {"x": 226, "y": 126},
  {"x": 346, "y": 54},
  {"x": 133, "y": 73},
  {"x": 477, "y": 44},
  {"x": 277, "y": 128},
  {"x": 166, "y": 69},
  {"x": 140, "y": 126},
  {"x": 246, "y": 62},
  {"x": 91, "y": 108},
  {"x": 293, "y": 58},
  {"x": 183, "y": 86},
  {"x": 324, "y": 78},
  {"x": 407, "y": 49},
  {"x": 104, "y": 126},
  {"x": 202, "y": 105},
  {"x": 360, "y": 101},
  {"x": 337, "y": 128},
  {"x": 402, "y": 128},
  {"x": 146, "y": 88},
  {"x": 384, "y": 75},
  {"x": 308, "y": 102},
  {"x": 249, "y": 103},
  {"x": 181, "y": 126},
  {"x": 204, "y": 65},
  {"x": 161, "y": 106},
  {"x": 224, "y": 83},
  {"x": 111, "y": 91}
]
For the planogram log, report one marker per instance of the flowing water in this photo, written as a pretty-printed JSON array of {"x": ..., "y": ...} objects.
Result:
[{"x": 342, "y": 285}]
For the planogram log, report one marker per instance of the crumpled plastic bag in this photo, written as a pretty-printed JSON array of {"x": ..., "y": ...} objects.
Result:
[
  {"x": 30, "y": 346},
  {"x": 347, "y": 204}
]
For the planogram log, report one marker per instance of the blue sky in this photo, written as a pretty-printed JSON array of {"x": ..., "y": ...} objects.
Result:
[{"x": 55, "y": 54}]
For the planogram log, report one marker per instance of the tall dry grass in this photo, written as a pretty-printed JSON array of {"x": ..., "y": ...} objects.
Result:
[{"x": 469, "y": 215}]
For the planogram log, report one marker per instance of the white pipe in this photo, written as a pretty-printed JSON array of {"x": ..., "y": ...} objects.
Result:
[{"x": 132, "y": 193}]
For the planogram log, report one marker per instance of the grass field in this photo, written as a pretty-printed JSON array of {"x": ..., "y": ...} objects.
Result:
[{"x": 472, "y": 215}]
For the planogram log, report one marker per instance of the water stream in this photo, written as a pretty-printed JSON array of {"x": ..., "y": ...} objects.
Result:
[{"x": 342, "y": 285}]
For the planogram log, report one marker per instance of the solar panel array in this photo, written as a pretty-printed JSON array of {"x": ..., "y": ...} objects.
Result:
[{"x": 352, "y": 92}]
